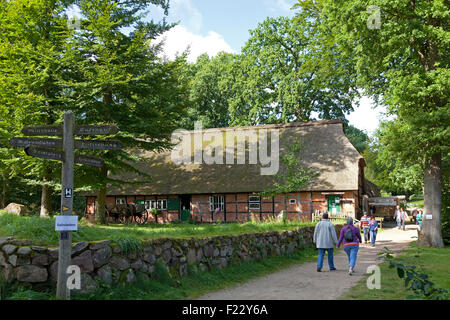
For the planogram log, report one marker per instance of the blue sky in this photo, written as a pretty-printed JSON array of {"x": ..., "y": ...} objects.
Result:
[{"x": 229, "y": 18}]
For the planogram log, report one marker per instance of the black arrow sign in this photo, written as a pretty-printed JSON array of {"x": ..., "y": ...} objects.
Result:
[
  {"x": 93, "y": 130},
  {"x": 44, "y": 153},
  {"x": 39, "y": 142},
  {"x": 89, "y": 161},
  {"x": 98, "y": 145},
  {"x": 43, "y": 131}
]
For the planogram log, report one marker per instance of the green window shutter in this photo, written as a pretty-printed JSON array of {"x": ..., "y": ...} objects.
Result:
[{"x": 173, "y": 204}]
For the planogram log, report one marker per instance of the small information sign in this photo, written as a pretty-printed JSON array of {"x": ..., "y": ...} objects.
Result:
[{"x": 66, "y": 223}]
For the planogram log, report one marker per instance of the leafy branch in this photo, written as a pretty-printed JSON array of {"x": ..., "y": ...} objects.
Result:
[{"x": 418, "y": 282}]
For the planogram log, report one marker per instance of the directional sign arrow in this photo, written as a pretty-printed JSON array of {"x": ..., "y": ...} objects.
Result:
[
  {"x": 98, "y": 144},
  {"x": 96, "y": 130},
  {"x": 89, "y": 161},
  {"x": 39, "y": 142},
  {"x": 44, "y": 153},
  {"x": 43, "y": 131},
  {"x": 79, "y": 130}
]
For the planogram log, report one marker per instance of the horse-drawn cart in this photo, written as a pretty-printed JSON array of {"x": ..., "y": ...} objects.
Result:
[{"x": 128, "y": 213}]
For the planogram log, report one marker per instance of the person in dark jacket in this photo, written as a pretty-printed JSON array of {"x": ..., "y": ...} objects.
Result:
[{"x": 351, "y": 246}]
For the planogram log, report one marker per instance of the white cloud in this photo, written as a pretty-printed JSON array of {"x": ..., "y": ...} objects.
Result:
[
  {"x": 366, "y": 117},
  {"x": 178, "y": 39}
]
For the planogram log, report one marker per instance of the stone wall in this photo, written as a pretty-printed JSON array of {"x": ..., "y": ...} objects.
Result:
[{"x": 21, "y": 261}]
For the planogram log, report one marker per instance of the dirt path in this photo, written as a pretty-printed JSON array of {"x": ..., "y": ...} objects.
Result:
[{"x": 302, "y": 281}]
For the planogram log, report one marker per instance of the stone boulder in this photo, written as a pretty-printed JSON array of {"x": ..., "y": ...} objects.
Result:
[
  {"x": 88, "y": 285},
  {"x": 31, "y": 273},
  {"x": 102, "y": 256},
  {"x": 17, "y": 209}
]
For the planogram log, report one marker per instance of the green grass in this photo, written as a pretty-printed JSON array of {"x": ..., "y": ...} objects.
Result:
[
  {"x": 41, "y": 230},
  {"x": 434, "y": 262},
  {"x": 187, "y": 287}
]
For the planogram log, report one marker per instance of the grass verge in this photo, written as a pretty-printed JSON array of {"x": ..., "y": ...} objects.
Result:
[
  {"x": 42, "y": 230},
  {"x": 188, "y": 287},
  {"x": 431, "y": 261}
]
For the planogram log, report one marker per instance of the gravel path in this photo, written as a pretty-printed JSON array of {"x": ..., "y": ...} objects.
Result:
[{"x": 303, "y": 282}]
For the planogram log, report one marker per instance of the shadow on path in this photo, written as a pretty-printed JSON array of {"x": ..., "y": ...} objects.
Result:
[{"x": 303, "y": 282}]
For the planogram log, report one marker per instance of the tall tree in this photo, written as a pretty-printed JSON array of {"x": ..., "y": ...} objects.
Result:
[
  {"x": 32, "y": 38},
  {"x": 210, "y": 89},
  {"x": 281, "y": 77},
  {"x": 401, "y": 52},
  {"x": 117, "y": 78}
]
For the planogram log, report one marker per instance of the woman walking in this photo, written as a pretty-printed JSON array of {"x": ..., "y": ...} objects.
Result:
[
  {"x": 373, "y": 229},
  {"x": 420, "y": 218},
  {"x": 350, "y": 237}
]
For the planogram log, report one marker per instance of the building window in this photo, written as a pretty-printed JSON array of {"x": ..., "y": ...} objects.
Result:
[
  {"x": 121, "y": 201},
  {"x": 156, "y": 204},
  {"x": 254, "y": 202},
  {"x": 217, "y": 202},
  {"x": 292, "y": 201}
]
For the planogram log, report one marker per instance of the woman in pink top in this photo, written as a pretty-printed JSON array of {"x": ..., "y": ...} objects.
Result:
[{"x": 350, "y": 237}]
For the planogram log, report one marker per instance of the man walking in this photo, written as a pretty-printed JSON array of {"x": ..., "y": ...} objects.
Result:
[
  {"x": 398, "y": 217},
  {"x": 325, "y": 239},
  {"x": 365, "y": 226}
]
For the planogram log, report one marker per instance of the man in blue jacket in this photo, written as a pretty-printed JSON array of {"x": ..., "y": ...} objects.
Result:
[{"x": 325, "y": 239}]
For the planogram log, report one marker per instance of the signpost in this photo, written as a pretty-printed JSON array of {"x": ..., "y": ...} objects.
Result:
[{"x": 44, "y": 148}]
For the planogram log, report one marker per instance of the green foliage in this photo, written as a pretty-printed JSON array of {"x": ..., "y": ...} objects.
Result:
[
  {"x": 107, "y": 72},
  {"x": 358, "y": 138},
  {"x": 210, "y": 89},
  {"x": 415, "y": 281},
  {"x": 404, "y": 65},
  {"x": 281, "y": 76},
  {"x": 295, "y": 176},
  {"x": 128, "y": 244}
]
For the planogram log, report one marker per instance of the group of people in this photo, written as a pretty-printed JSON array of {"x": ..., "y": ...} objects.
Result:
[
  {"x": 325, "y": 238},
  {"x": 401, "y": 217},
  {"x": 369, "y": 226},
  {"x": 418, "y": 217}
]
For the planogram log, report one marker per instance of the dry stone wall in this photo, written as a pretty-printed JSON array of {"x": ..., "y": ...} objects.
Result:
[{"x": 105, "y": 261}]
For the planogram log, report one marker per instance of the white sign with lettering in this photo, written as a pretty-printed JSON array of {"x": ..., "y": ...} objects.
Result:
[
  {"x": 429, "y": 217},
  {"x": 66, "y": 223}
]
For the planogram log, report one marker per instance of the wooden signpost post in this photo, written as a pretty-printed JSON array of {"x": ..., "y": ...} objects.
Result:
[{"x": 43, "y": 148}]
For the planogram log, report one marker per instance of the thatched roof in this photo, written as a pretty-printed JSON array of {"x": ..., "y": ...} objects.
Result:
[{"x": 325, "y": 149}]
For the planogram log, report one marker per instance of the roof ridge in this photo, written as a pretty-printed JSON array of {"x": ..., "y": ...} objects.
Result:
[{"x": 277, "y": 125}]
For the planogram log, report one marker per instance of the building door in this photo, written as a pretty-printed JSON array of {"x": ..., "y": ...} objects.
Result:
[
  {"x": 334, "y": 203},
  {"x": 185, "y": 207}
]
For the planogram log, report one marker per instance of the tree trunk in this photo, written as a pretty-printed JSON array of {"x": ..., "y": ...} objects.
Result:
[
  {"x": 3, "y": 203},
  {"x": 100, "y": 216},
  {"x": 431, "y": 233},
  {"x": 46, "y": 198}
]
